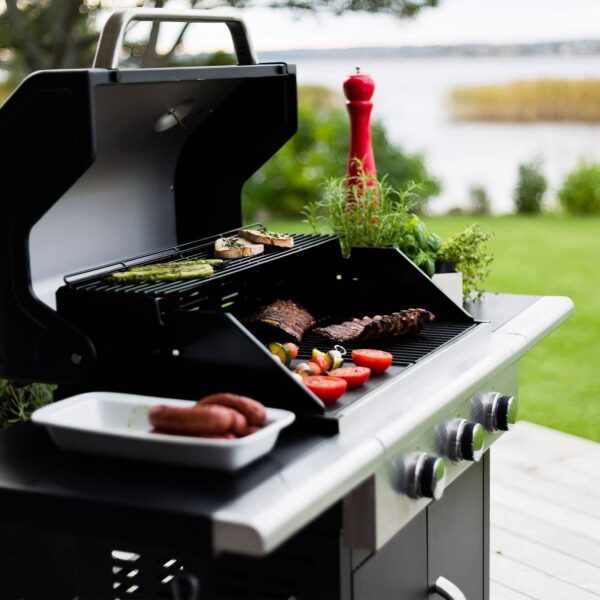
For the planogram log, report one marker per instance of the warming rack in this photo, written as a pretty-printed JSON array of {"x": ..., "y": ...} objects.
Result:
[{"x": 94, "y": 280}]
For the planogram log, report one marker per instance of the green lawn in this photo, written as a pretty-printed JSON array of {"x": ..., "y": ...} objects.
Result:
[{"x": 550, "y": 255}]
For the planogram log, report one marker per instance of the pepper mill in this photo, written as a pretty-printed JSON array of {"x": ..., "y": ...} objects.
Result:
[{"x": 359, "y": 89}]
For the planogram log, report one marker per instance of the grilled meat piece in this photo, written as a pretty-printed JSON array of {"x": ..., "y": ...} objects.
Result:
[
  {"x": 411, "y": 320},
  {"x": 285, "y": 317}
]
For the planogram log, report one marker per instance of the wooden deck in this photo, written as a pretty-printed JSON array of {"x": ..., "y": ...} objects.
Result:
[{"x": 545, "y": 516}]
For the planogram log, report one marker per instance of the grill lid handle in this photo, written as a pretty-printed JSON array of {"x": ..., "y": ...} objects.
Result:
[{"x": 111, "y": 38}]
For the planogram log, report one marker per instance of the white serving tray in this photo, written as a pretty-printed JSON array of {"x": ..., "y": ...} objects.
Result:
[{"x": 114, "y": 424}]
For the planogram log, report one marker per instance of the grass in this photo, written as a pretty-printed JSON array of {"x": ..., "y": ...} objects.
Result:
[
  {"x": 540, "y": 100},
  {"x": 547, "y": 255}
]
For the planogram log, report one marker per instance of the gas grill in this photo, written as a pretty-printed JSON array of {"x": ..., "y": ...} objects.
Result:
[
  {"x": 174, "y": 335},
  {"x": 106, "y": 168}
]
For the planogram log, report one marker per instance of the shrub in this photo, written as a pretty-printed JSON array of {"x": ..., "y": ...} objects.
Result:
[
  {"x": 580, "y": 191},
  {"x": 479, "y": 200},
  {"x": 319, "y": 151},
  {"x": 530, "y": 190}
]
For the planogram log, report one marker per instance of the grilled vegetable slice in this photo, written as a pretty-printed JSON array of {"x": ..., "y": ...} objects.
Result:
[
  {"x": 167, "y": 271},
  {"x": 316, "y": 353},
  {"x": 336, "y": 358},
  {"x": 328, "y": 389},
  {"x": 315, "y": 368},
  {"x": 304, "y": 370},
  {"x": 159, "y": 273},
  {"x": 281, "y": 351},
  {"x": 376, "y": 360},
  {"x": 354, "y": 376},
  {"x": 292, "y": 349},
  {"x": 323, "y": 362}
]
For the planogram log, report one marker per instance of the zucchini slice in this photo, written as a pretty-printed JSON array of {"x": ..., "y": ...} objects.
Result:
[{"x": 282, "y": 352}]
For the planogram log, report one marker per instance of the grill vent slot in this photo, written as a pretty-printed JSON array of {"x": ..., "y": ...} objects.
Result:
[{"x": 142, "y": 575}]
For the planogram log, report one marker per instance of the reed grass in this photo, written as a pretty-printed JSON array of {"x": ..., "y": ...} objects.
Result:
[{"x": 529, "y": 101}]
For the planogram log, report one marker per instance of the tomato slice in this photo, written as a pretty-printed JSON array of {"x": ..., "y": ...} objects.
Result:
[
  {"x": 328, "y": 389},
  {"x": 354, "y": 376},
  {"x": 376, "y": 360}
]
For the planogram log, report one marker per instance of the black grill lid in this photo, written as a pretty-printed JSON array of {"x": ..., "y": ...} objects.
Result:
[{"x": 93, "y": 169}]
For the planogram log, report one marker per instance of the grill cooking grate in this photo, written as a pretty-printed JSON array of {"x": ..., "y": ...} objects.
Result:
[
  {"x": 95, "y": 281},
  {"x": 406, "y": 349}
]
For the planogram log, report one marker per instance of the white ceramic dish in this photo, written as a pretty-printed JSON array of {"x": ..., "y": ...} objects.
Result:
[{"x": 114, "y": 424}]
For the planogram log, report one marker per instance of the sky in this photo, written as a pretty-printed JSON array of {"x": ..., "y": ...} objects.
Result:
[{"x": 453, "y": 22}]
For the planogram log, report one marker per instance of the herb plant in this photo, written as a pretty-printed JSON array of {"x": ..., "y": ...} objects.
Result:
[
  {"x": 468, "y": 252},
  {"x": 371, "y": 213},
  {"x": 18, "y": 402}
]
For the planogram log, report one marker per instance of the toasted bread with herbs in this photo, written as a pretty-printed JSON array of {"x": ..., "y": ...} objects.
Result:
[
  {"x": 236, "y": 247},
  {"x": 260, "y": 235}
]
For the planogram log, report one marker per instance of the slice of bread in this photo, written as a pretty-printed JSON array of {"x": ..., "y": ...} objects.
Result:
[
  {"x": 236, "y": 247},
  {"x": 266, "y": 237}
]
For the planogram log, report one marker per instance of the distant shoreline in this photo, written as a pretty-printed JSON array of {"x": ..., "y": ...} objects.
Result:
[{"x": 553, "y": 48}]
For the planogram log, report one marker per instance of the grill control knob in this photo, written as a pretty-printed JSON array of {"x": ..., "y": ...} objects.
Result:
[
  {"x": 499, "y": 412},
  {"x": 425, "y": 476},
  {"x": 463, "y": 440}
]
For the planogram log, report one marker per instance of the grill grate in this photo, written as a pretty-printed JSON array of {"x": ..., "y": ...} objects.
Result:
[
  {"x": 406, "y": 350},
  {"x": 95, "y": 281}
]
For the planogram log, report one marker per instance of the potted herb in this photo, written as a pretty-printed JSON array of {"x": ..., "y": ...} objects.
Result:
[
  {"x": 468, "y": 253},
  {"x": 370, "y": 213}
]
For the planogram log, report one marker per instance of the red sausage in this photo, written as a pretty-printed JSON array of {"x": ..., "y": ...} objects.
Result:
[
  {"x": 198, "y": 420},
  {"x": 240, "y": 424},
  {"x": 254, "y": 411}
]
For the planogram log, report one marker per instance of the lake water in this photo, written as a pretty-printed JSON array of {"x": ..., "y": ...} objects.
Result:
[{"x": 411, "y": 98}]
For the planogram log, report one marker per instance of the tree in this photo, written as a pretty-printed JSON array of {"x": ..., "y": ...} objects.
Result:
[{"x": 60, "y": 34}]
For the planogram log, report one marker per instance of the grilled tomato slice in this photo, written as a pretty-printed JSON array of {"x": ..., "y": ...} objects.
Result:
[
  {"x": 354, "y": 376},
  {"x": 328, "y": 389},
  {"x": 376, "y": 360},
  {"x": 292, "y": 349}
]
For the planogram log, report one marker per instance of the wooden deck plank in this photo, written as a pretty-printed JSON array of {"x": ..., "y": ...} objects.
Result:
[
  {"x": 534, "y": 529},
  {"x": 533, "y": 582},
  {"x": 533, "y": 482},
  {"x": 532, "y": 447},
  {"x": 499, "y": 591},
  {"x": 545, "y": 516},
  {"x": 552, "y": 562},
  {"x": 546, "y": 510}
]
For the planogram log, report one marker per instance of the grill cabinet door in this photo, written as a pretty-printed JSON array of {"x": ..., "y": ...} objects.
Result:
[
  {"x": 457, "y": 534},
  {"x": 399, "y": 570}
]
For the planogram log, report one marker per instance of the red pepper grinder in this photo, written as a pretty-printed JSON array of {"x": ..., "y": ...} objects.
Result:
[{"x": 359, "y": 89}]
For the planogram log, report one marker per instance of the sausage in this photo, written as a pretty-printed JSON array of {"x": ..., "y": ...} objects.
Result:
[
  {"x": 198, "y": 420},
  {"x": 224, "y": 436},
  {"x": 254, "y": 411},
  {"x": 240, "y": 424}
]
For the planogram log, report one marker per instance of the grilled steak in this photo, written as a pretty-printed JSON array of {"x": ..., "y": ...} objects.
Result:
[
  {"x": 411, "y": 320},
  {"x": 283, "y": 316}
]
